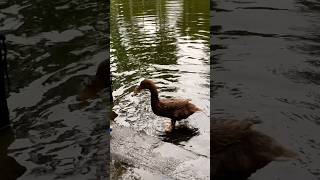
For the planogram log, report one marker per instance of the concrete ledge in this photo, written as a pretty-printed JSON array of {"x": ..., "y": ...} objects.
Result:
[{"x": 136, "y": 155}]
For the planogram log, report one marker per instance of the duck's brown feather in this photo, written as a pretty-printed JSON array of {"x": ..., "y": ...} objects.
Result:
[
  {"x": 177, "y": 109},
  {"x": 238, "y": 150},
  {"x": 100, "y": 81}
]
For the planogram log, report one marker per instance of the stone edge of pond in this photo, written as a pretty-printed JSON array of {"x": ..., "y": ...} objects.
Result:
[{"x": 138, "y": 155}]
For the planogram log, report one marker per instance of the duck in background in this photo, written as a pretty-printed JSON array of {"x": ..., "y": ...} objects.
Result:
[
  {"x": 237, "y": 150},
  {"x": 101, "y": 81},
  {"x": 175, "y": 109}
]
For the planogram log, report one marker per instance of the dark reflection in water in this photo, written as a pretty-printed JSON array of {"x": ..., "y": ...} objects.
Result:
[
  {"x": 266, "y": 64},
  {"x": 168, "y": 42},
  {"x": 54, "y": 49}
]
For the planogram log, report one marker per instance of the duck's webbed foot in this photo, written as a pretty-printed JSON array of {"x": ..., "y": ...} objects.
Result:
[{"x": 170, "y": 126}]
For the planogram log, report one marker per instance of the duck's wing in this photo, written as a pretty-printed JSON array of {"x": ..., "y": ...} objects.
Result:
[
  {"x": 175, "y": 104},
  {"x": 239, "y": 150},
  {"x": 174, "y": 107},
  {"x": 228, "y": 132},
  {"x": 231, "y": 132}
]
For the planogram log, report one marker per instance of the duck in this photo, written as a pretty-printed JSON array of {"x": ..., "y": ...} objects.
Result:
[
  {"x": 101, "y": 81},
  {"x": 239, "y": 151},
  {"x": 175, "y": 109}
]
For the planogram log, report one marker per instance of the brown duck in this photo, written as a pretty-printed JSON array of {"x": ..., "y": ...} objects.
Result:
[
  {"x": 238, "y": 150},
  {"x": 101, "y": 81},
  {"x": 175, "y": 109}
]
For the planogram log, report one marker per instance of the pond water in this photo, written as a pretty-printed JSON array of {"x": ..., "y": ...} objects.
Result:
[
  {"x": 54, "y": 48},
  {"x": 265, "y": 62},
  {"x": 166, "y": 41}
]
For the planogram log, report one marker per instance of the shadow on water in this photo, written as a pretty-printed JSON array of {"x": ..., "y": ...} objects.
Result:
[{"x": 182, "y": 132}]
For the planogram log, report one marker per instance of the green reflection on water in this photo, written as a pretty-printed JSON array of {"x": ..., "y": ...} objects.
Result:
[{"x": 146, "y": 33}]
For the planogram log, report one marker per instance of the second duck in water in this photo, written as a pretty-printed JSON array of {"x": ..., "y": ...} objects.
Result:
[{"x": 175, "y": 109}]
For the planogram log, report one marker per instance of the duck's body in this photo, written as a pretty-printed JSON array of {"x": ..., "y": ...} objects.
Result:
[
  {"x": 175, "y": 109},
  {"x": 238, "y": 150},
  {"x": 100, "y": 82}
]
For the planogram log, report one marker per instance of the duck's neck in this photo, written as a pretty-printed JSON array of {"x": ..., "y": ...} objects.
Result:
[{"x": 154, "y": 97}]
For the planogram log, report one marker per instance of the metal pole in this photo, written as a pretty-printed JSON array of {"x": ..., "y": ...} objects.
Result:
[{"x": 4, "y": 120}]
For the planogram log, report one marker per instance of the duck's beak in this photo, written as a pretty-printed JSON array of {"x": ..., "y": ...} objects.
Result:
[{"x": 137, "y": 90}]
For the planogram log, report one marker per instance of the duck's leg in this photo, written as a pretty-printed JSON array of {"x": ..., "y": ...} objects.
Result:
[{"x": 173, "y": 124}]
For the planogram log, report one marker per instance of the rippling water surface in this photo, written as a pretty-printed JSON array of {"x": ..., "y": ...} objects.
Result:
[
  {"x": 266, "y": 64},
  {"x": 54, "y": 48},
  {"x": 166, "y": 41}
]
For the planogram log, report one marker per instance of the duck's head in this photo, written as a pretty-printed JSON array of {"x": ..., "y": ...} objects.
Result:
[
  {"x": 145, "y": 84},
  {"x": 103, "y": 70}
]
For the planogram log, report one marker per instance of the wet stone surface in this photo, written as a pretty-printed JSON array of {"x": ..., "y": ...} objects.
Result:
[{"x": 136, "y": 155}]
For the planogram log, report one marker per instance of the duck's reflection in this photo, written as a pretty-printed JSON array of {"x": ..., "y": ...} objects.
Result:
[
  {"x": 10, "y": 169},
  {"x": 183, "y": 132}
]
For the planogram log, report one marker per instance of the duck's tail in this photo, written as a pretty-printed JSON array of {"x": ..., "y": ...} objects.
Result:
[
  {"x": 270, "y": 149},
  {"x": 193, "y": 107},
  {"x": 286, "y": 154},
  {"x": 198, "y": 109}
]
